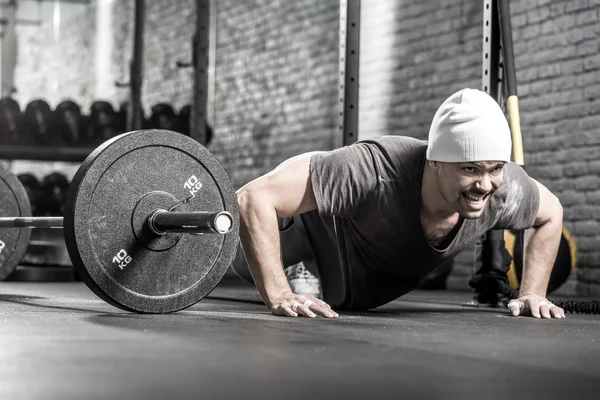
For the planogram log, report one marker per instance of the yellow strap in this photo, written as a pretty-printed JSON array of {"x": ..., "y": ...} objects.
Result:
[
  {"x": 509, "y": 244},
  {"x": 512, "y": 103},
  {"x": 572, "y": 246}
]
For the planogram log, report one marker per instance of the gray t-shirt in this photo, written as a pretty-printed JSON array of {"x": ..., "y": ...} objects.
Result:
[{"x": 366, "y": 234}]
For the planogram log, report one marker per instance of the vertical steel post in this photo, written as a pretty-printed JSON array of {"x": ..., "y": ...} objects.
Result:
[
  {"x": 490, "y": 262},
  {"x": 348, "y": 72},
  {"x": 490, "y": 72},
  {"x": 134, "y": 116},
  {"x": 200, "y": 62}
]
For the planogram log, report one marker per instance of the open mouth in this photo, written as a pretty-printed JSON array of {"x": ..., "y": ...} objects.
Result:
[{"x": 474, "y": 199}]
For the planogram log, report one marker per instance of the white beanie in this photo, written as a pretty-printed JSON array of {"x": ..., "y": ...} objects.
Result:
[{"x": 469, "y": 126}]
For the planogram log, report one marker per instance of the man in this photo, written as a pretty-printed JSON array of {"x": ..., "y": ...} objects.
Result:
[{"x": 374, "y": 218}]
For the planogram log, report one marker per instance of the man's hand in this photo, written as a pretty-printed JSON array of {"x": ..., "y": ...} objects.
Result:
[
  {"x": 536, "y": 306},
  {"x": 292, "y": 305}
]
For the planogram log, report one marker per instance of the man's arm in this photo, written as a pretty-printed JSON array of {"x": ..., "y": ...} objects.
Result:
[
  {"x": 540, "y": 255},
  {"x": 543, "y": 245},
  {"x": 284, "y": 192}
]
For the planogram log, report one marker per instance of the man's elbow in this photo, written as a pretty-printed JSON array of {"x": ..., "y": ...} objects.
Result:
[
  {"x": 253, "y": 195},
  {"x": 553, "y": 214},
  {"x": 246, "y": 198},
  {"x": 557, "y": 210}
]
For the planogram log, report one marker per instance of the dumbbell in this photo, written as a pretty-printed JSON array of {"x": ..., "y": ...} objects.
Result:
[
  {"x": 10, "y": 121},
  {"x": 163, "y": 117},
  {"x": 54, "y": 187},
  {"x": 38, "y": 122},
  {"x": 103, "y": 121},
  {"x": 69, "y": 124},
  {"x": 151, "y": 221},
  {"x": 36, "y": 197}
]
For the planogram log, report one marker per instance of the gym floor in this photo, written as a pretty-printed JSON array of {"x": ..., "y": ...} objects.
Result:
[{"x": 58, "y": 341}]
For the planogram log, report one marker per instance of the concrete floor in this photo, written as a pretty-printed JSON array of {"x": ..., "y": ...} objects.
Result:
[{"x": 58, "y": 341}]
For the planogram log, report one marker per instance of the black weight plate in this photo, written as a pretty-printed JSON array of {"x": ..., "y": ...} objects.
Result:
[
  {"x": 13, "y": 241},
  {"x": 143, "y": 170}
]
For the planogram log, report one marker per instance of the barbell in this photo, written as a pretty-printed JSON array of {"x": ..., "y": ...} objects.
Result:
[{"x": 151, "y": 221}]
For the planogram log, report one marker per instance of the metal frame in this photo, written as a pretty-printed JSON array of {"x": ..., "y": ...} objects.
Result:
[
  {"x": 136, "y": 70},
  {"x": 212, "y": 62},
  {"x": 82, "y": 2},
  {"x": 134, "y": 116},
  {"x": 491, "y": 83},
  {"x": 348, "y": 72},
  {"x": 200, "y": 62},
  {"x": 491, "y": 66}
]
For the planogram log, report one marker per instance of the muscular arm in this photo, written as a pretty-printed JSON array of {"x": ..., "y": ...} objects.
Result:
[
  {"x": 283, "y": 192},
  {"x": 543, "y": 245}
]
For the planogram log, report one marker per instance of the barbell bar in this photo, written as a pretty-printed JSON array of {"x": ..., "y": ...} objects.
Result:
[{"x": 160, "y": 221}]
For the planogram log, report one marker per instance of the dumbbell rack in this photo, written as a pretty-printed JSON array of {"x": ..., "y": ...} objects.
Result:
[
  {"x": 48, "y": 153},
  {"x": 46, "y": 258}
]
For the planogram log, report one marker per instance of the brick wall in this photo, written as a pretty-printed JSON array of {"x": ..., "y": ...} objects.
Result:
[
  {"x": 413, "y": 55},
  {"x": 276, "y": 78},
  {"x": 558, "y": 64},
  {"x": 276, "y": 82}
]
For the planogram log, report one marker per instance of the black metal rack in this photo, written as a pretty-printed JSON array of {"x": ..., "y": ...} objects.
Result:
[
  {"x": 44, "y": 153},
  {"x": 348, "y": 72}
]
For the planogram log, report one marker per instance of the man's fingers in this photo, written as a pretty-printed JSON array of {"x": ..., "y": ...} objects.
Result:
[
  {"x": 515, "y": 307},
  {"x": 284, "y": 310},
  {"x": 545, "y": 311},
  {"x": 304, "y": 310},
  {"x": 302, "y": 305},
  {"x": 321, "y": 308},
  {"x": 556, "y": 311},
  {"x": 287, "y": 311},
  {"x": 329, "y": 308},
  {"x": 531, "y": 307},
  {"x": 537, "y": 306}
]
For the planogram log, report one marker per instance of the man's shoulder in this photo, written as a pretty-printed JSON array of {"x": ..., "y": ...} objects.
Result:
[
  {"x": 398, "y": 148},
  {"x": 515, "y": 177},
  {"x": 397, "y": 143},
  {"x": 515, "y": 188},
  {"x": 509, "y": 182},
  {"x": 398, "y": 156}
]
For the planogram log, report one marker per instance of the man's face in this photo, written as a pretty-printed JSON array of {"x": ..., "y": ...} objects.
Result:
[{"x": 467, "y": 187}]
